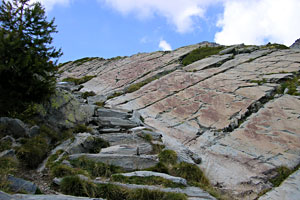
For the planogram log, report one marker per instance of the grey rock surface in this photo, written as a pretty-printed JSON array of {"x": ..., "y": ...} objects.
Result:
[
  {"x": 14, "y": 127},
  {"x": 20, "y": 185},
  {"x": 5, "y": 196},
  {"x": 289, "y": 189}
]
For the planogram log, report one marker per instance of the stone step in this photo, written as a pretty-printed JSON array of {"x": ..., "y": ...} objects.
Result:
[{"x": 127, "y": 162}]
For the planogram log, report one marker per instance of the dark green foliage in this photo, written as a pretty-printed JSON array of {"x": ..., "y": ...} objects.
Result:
[
  {"x": 27, "y": 72},
  {"x": 78, "y": 81},
  {"x": 86, "y": 59},
  {"x": 259, "y": 82},
  {"x": 61, "y": 170},
  {"x": 112, "y": 192},
  {"x": 291, "y": 85},
  {"x": 81, "y": 128},
  {"x": 144, "y": 194},
  {"x": 200, "y": 53},
  {"x": 160, "y": 167},
  {"x": 5, "y": 145},
  {"x": 33, "y": 151},
  {"x": 73, "y": 185},
  {"x": 95, "y": 169},
  {"x": 275, "y": 46},
  {"x": 282, "y": 173},
  {"x": 98, "y": 144},
  {"x": 151, "y": 180},
  {"x": 100, "y": 103},
  {"x": 7, "y": 166},
  {"x": 136, "y": 86},
  {"x": 116, "y": 94},
  {"x": 190, "y": 172},
  {"x": 168, "y": 157},
  {"x": 88, "y": 94}
]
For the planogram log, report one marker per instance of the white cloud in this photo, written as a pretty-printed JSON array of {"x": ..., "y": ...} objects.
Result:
[
  {"x": 180, "y": 13},
  {"x": 49, "y": 4},
  {"x": 164, "y": 45},
  {"x": 259, "y": 21}
]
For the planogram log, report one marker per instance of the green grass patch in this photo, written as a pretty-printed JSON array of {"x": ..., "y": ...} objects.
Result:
[
  {"x": 86, "y": 59},
  {"x": 81, "y": 128},
  {"x": 61, "y": 170},
  {"x": 275, "y": 46},
  {"x": 95, "y": 169},
  {"x": 168, "y": 157},
  {"x": 282, "y": 173},
  {"x": 200, "y": 53},
  {"x": 291, "y": 85},
  {"x": 85, "y": 95},
  {"x": 259, "y": 82},
  {"x": 5, "y": 145},
  {"x": 151, "y": 180},
  {"x": 100, "y": 104},
  {"x": 7, "y": 166},
  {"x": 78, "y": 81},
  {"x": 114, "y": 95},
  {"x": 75, "y": 186},
  {"x": 136, "y": 86},
  {"x": 33, "y": 151}
]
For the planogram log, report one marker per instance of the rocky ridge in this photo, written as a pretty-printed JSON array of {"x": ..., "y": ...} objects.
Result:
[
  {"x": 234, "y": 114},
  {"x": 225, "y": 108}
]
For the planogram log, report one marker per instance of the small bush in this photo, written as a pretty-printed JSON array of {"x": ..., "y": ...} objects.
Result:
[
  {"x": 81, "y": 128},
  {"x": 136, "y": 86},
  {"x": 114, "y": 95},
  {"x": 88, "y": 94},
  {"x": 98, "y": 144},
  {"x": 73, "y": 185},
  {"x": 190, "y": 172},
  {"x": 86, "y": 59},
  {"x": 95, "y": 169},
  {"x": 61, "y": 170},
  {"x": 51, "y": 160},
  {"x": 151, "y": 180},
  {"x": 168, "y": 157},
  {"x": 275, "y": 46},
  {"x": 78, "y": 81},
  {"x": 200, "y": 53},
  {"x": 5, "y": 145},
  {"x": 112, "y": 192},
  {"x": 100, "y": 104},
  {"x": 291, "y": 85},
  {"x": 282, "y": 173},
  {"x": 33, "y": 151},
  {"x": 144, "y": 194},
  {"x": 50, "y": 133},
  {"x": 7, "y": 166}
]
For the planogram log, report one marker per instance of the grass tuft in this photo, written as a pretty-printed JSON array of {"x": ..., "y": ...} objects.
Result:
[
  {"x": 200, "y": 53},
  {"x": 78, "y": 81},
  {"x": 168, "y": 157}
]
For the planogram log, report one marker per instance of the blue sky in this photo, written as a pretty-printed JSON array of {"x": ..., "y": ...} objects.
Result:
[{"x": 109, "y": 28}]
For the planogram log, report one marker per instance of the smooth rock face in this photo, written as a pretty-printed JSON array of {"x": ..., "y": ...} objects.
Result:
[
  {"x": 128, "y": 162},
  {"x": 14, "y": 127},
  {"x": 20, "y": 185},
  {"x": 289, "y": 189},
  {"x": 199, "y": 109},
  {"x": 4, "y": 196}
]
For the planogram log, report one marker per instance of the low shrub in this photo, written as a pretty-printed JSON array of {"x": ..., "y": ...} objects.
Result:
[
  {"x": 98, "y": 144},
  {"x": 168, "y": 157},
  {"x": 200, "y": 53},
  {"x": 291, "y": 85},
  {"x": 5, "y": 145},
  {"x": 33, "y": 151},
  {"x": 78, "y": 81},
  {"x": 61, "y": 170},
  {"x": 190, "y": 172},
  {"x": 282, "y": 173},
  {"x": 88, "y": 94},
  {"x": 95, "y": 169},
  {"x": 81, "y": 128},
  {"x": 151, "y": 180},
  {"x": 7, "y": 166},
  {"x": 73, "y": 185}
]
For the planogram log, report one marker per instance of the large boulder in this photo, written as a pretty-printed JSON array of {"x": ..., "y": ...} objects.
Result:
[
  {"x": 13, "y": 127},
  {"x": 20, "y": 185}
]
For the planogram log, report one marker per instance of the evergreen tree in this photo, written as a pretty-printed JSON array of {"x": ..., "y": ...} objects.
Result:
[{"x": 27, "y": 59}]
